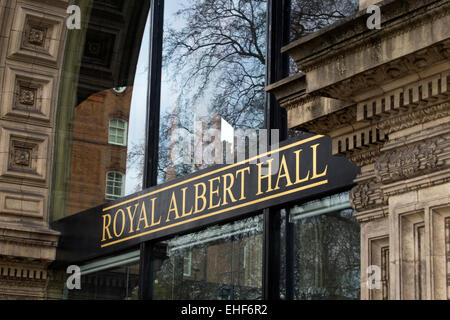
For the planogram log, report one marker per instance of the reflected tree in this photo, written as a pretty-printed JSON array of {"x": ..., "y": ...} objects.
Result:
[
  {"x": 214, "y": 56},
  {"x": 327, "y": 257},
  {"x": 309, "y": 16}
]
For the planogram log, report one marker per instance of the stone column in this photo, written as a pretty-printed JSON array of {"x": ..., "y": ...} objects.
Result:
[
  {"x": 383, "y": 96},
  {"x": 32, "y": 38}
]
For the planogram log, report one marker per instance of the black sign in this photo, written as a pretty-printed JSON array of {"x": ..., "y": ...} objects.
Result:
[{"x": 293, "y": 171}]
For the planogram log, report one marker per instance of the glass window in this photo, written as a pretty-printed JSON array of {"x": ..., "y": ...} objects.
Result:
[
  {"x": 115, "y": 278},
  {"x": 101, "y": 118},
  {"x": 213, "y": 81},
  {"x": 220, "y": 263},
  {"x": 115, "y": 182},
  {"x": 117, "y": 132},
  {"x": 187, "y": 264},
  {"x": 212, "y": 89},
  {"x": 326, "y": 250}
]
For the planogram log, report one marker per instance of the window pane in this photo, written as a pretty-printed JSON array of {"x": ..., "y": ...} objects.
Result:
[
  {"x": 212, "y": 81},
  {"x": 121, "y": 283},
  {"x": 326, "y": 250},
  {"x": 103, "y": 123},
  {"x": 211, "y": 264}
]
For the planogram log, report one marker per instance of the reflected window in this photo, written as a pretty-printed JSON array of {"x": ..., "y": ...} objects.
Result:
[
  {"x": 115, "y": 182},
  {"x": 101, "y": 123},
  {"x": 120, "y": 89},
  {"x": 187, "y": 264},
  {"x": 117, "y": 132},
  {"x": 220, "y": 263},
  {"x": 327, "y": 250},
  {"x": 115, "y": 278}
]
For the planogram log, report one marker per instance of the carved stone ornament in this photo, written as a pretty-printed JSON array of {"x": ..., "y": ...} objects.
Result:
[
  {"x": 408, "y": 162},
  {"x": 363, "y": 158},
  {"x": 367, "y": 195},
  {"x": 36, "y": 36},
  {"x": 21, "y": 155}
]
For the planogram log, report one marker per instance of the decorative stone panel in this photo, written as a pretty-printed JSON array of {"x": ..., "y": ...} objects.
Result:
[
  {"x": 23, "y": 156},
  {"x": 410, "y": 161},
  {"x": 36, "y": 35},
  {"x": 28, "y": 95},
  {"x": 21, "y": 205},
  {"x": 367, "y": 195}
]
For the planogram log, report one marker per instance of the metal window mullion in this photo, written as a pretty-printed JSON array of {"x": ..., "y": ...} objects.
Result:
[
  {"x": 277, "y": 67},
  {"x": 152, "y": 136}
]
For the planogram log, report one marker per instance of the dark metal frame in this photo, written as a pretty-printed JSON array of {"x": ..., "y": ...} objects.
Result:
[
  {"x": 277, "y": 67},
  {"x": 152, "y": 136}
]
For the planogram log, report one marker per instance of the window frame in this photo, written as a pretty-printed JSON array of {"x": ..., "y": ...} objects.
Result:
[
  {"x": 113, "y": 197},
  {"x": 187, "y": 258},
  {"x": 125, "y": 132}
]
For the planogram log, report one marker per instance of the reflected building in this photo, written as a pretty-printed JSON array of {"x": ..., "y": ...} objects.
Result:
[{"x": 99, "y": 149}]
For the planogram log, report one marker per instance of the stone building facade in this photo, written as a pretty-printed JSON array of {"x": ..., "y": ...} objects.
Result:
[
  {"x": 32, "y": 41},
  {"x": 46, "y": 70},
  {"x": 383, "y": 97}
]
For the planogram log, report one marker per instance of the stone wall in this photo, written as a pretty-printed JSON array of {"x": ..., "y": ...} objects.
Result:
[
  {"x": 383, "y": 96},
  {"x": 32, "y": 35}
]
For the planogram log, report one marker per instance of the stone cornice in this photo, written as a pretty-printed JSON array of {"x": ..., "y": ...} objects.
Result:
[
  {"x": 416, "y": 117},
  {"x": 351, "y": 34},
  {"x": 30, "y": 241}
]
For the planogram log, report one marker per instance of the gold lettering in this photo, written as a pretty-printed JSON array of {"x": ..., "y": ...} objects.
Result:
[
  {"x": 184, "y": 213},
  {"x": 153, "y": 214},
  {"x": 297, "y": 171},
  {"x": 106, "y": 226},
  {"x": 198, "y": 197},
  {"x": 284, "y": 175},
  {"x": 115, "y": 223},
  {"x": 132, "y": 216},
  {"x": 212, "y": 192},
  {"x": 173, "y": 207},
  {"x": 227, "y": 188},
  {"x": 241, "y": 172},
  {"x": 315, "y": 174},
  {"x": 268, "y": 176},
  {"x": 142, "y": 217}
]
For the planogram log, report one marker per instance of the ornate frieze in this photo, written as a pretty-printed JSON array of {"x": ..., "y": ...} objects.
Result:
[
  {"x": 367, "y": 195},
  {"x": 408, "y": 120},
  {"x": 410, "y": 161},
  {"x": 366, "y": 157}
]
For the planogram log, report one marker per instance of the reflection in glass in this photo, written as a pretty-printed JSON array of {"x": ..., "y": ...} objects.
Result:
[
  {"x": 120, "y": 283},
  {"x": 221, "y": 263},
  {"x": 309, "y": 16},
  {"x": 101, "y": 124},
  {"x": 213, "y": 79},
  {"x": 327, "y": 250}
]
